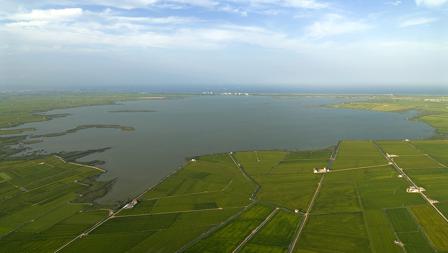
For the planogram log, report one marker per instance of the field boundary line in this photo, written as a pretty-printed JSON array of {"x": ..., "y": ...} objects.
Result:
[
  {"x": 214, "y": 229},
  {"x": 247, "y": 176},
  {"x": 182, "y": 195},
  {"x": 101, "y": 222},
  {"x": 258, "y": 158},
  {"x": 360, "y": 168},
  {"x": 406, "y": 177},
  {"x": 426, "y": 154},
  {"x": 302, "y": 224},
  {"x": 305, "y": 216},
  {"x": 358, "y": 196},
  {"x": 174, "y": 212},
  {"x": 432, "y": 158},
  {"x": 421, "y": 229},
  {"x": 193, "y": 193},
  {"x": 255, "y": 231},
  {"x": 80, "y": 164}
]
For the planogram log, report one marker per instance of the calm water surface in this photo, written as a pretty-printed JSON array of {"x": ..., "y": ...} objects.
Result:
[{"x": 198, "y": 125}]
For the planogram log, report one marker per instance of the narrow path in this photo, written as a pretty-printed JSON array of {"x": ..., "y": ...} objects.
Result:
[
  {"x": 252, "y": 234},
  {"x": 214, "y": 229},
  {"x": 333, "y": 156},
  {"x": 405, "y": 176},
  {"x": 181, "y": 211},
  {"x": 247, "y": 176},
  {"x": 181, "y": 195},
  {"x": 258, "y": 158},
  {"x": 439, "y": 163},
  {"x": 112, "y": 215},
  {"x": 238, "y": 165},
  {"x": 359, "y": 168},
  {"x": 193, "y": 193},
  {"x": 306, "y": 215},
  {"x": 425, "y": 154},
  {"x": 79, "y": 164}
]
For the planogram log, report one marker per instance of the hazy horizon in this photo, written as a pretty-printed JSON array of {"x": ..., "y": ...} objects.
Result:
[
  {"x": 254, "y": 89},
  {"x": 176, "y": 44}
]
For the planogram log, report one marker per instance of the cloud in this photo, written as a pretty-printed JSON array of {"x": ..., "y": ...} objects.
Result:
[
  {"x": 431, "y": 3},
  {"x": 124, "y": 4},
  {"x": 168, "y": 20},
  {"x": 334, "y": 24},
  {"x": 230, "y": 9},
  {"x": 394, "y": 3},
  {"x": 98, "y": 29},
  {"x": 48, "y": 15},
  {"x": 416, "y": 22},
  {"x": 303, "y": 4},
  {"x": 306, "y": 4}
]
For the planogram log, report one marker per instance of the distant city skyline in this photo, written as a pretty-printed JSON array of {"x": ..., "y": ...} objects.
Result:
[{"x": 297, "y": 44}]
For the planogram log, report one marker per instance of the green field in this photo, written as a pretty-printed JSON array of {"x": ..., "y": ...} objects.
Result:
[
  {"x": 41, "y": 203},
  {"x": 19, "y": 108},
  {"x": 432, "y": 110},
  {"x": 276, "y": 235},
  {"x": 215, "y": 194},
  {"x": 253, "y": 201},
  {"x": 358, "y": 154}
]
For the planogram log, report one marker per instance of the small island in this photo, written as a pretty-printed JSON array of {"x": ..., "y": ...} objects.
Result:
[
  {"x": 83, "y": 127},
  {"x": 129, "y": 110}
]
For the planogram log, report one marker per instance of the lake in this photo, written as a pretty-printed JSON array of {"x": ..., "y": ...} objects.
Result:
[{"x": 195, "y": 125}]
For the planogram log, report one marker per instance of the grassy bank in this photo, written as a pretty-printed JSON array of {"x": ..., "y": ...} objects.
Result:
[{"x": 431, "y": 110}]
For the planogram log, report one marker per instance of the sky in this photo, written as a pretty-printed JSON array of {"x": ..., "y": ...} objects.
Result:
[{"x": 219, "y": 43}]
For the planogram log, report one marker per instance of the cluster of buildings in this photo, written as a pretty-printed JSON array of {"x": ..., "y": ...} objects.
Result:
[
  {"x": 131, "y": 204},
  {"x": 321, "y": 170},
  {"x": 437, "y": 100},
  {"x": 226, "y": 93},
  {"x": 415, "y": 189},
  {"x": 391, "y": 155}
]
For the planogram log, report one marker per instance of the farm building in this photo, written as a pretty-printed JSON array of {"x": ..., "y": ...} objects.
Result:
[
  {"x": 415, "y": 189},
  {"x": 321, "y": 170},
  {"x": 131, "y": 204}
]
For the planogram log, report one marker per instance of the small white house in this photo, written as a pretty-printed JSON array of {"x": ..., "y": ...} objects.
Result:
[
  {"x": 400, "y": 175},
  {"x": 391, "y": 155},
  {"x": 399, "y": 243},
  {"x": 415, "y": 189},
  {"x": 433, "y": 201},
  {"x": 131, "y": 204},
  {"x": 296, "y": 210},
  {"x": 407, "y": 140},
  {"x": 321, "y": 170},
  {"x": 193, "y": 160}
]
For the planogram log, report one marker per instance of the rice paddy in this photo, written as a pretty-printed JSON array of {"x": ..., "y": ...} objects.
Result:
[{"x": 252, "y": 201}]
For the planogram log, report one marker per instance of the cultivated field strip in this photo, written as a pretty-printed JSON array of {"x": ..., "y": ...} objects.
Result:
[
  {"x": 252, "y": 234},
  {"x": 306, "y": 215},
  {"x": 350, "y": 212},
  {"x": 263, "y": 201},
  {"x": 54, "y": 210}
]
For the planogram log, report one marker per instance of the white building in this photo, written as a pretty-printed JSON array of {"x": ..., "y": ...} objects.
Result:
[
  {"x": 321, "y": 170},
  {"x": 131, "y": 204},
  {"x": 399, "y": 243},
  {"x": 391, "y": 155},
  {"x": 415, "y": 189}
]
